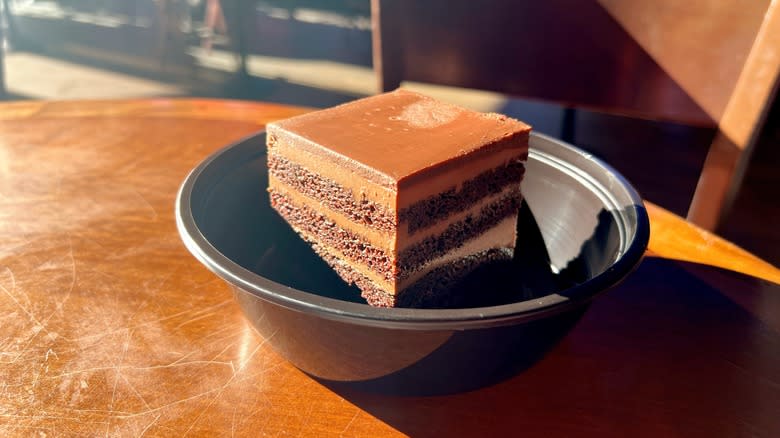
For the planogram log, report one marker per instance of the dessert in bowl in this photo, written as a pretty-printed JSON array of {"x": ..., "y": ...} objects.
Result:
[{"x": 581, "y": 229}]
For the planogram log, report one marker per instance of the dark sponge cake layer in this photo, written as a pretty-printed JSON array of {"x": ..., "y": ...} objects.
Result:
[
  {"x": 435, "y": 289},
  {"x": 333, "y": 195},
  {"x": 373, "y": 294},
  {"x": 317, "y": 225},
  {"x": 358, "y": 250},
  {"x": 427, "y": 212},
  {"x": 457, "y": 233},
  {"x": 420, "y": 215}
]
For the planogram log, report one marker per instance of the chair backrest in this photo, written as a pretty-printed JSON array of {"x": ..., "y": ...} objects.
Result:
[{"x": 689, "y": 62}]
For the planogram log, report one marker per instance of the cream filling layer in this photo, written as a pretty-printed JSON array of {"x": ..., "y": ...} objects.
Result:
[
  {"x": 406, "y": 240},
  {"x": 439, "y": 181},
  {"x": 329, "y": 167},
  {"x": 379, "y": 239},
  {"x": 502, "y": 235}
]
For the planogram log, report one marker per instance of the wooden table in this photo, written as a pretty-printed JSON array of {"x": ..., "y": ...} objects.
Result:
[{"x": 109, "y": 326}]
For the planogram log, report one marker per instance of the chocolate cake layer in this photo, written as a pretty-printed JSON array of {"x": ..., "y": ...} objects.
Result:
[
  {"x": 401, "y": 194},
  {"x": 455, "y": 234},
  {"x": 433, "y": 209},
  {"x": 319, "y": 227},
  {"x": 410, "y": 260},
  {"x": 402, "y": 148},
  {"x": 419, "y": 216},
  {"x": 433, "y": 290},
  {"x": 437, "y": 288},
  {"x": 374, "y": 294},
  {"x": 331, "y": 194}
]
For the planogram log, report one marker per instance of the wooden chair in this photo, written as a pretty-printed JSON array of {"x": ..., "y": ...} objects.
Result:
[{"x": 701, "y": 62}]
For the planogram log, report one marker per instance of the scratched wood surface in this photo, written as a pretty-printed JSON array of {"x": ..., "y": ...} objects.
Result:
[{"x": 109, "y": 327}]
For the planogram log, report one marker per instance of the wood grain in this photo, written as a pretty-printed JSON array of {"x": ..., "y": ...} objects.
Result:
[
  {"x": 738, "y": 127},
  {"x": 109, "y": 326}
]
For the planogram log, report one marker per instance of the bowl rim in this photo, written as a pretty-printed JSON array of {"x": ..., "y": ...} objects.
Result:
[{"x": 263, "y": 288}]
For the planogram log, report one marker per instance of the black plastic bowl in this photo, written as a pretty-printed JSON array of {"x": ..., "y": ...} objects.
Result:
[{"x": 582, "y": 229}]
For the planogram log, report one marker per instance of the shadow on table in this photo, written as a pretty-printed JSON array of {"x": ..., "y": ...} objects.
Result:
[{"x": 668, "y": 351}]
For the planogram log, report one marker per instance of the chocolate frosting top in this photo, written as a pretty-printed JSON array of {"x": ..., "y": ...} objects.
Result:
[{"x": 401, "y": 133}]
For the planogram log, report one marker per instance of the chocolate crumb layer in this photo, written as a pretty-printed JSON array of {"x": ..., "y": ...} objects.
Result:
[
  {"x": 333, "y": 195},
  {"x": 373, "y": 294},
  {"x": 427, "y": 212},
  {"x": 457, "y": 233},
  {"x": 412, "y": 258},
  {"x": 329, "y": 233},
  {"x": 437, "y": 289}
]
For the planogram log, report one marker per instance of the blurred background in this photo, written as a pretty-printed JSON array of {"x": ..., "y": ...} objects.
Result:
[{"x": 320, "y": 53}]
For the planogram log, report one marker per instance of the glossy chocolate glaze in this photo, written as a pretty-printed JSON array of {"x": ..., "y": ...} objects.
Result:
[
  {"x": 398, "y": 152},
  {"x": 392, "y": 137}
]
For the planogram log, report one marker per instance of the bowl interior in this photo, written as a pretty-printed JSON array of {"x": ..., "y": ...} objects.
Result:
[{"x": 579, "y": 219}]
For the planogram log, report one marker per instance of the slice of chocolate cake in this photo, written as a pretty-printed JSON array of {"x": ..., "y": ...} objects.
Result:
[{"x": 401, "y": 194}]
